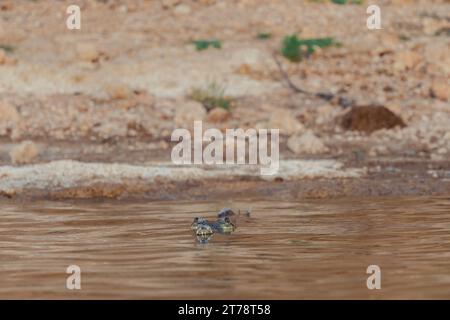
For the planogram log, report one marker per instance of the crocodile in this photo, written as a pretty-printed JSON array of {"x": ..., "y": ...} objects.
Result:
[{"x": 226, "y": 223}]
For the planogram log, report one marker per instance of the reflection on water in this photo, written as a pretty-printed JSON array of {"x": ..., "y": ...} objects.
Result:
[{"x": 316, "y": 249}]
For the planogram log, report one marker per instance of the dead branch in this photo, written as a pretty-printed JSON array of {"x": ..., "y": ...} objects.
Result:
[{"x": 322, "y": 95}]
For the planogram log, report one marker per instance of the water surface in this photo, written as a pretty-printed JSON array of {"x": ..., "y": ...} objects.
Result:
[{"x": 292, "y": 250}]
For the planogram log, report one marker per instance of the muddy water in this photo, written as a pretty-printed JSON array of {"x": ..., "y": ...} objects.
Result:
[{"x": 316, "y": 249}]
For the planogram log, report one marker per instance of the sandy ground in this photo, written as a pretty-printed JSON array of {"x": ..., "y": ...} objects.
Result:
[{"x": 113, "y": 92}]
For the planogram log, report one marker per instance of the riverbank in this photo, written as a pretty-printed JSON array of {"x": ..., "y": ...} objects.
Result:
[
  {"x": 89, "y": 113},
  {"x": 296, "y": 179}
]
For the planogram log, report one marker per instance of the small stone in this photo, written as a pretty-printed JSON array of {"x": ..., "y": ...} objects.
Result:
[
  {"x": 307, "y": 143},
  {"x": 406, "y": 60},
  {"x": 188, "y": 112},
  {"x": 122, "y": 9},
  {"x": 218, "y": 115},
  {"x": 431, "y": 26},
  {"x": 325, "y": 113},
  {"x": 440, "y": 89},
  {"x": 437, "y": 55},
  {"x": 286, "y": 122},
  {"x": 24, "y": 153},
  {"x": 182, "y": 9},
  {"x": 378, "y": 151},
  {"x": 170, "y": 3},
  {"x": 119, "y": 91},
  {"x": 6, "y": 5},
  {"x": 8, "y": 113},
  {"x": 88, "y": 52}
]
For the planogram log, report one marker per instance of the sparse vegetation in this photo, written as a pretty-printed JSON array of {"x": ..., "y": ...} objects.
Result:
[
  {"x": 404, "y": 37},
  {"x": 296, "y": 49},
  {"x": 7, "y": 48},
  {"x": 205, "y": 44},
  {"x": 212, "y": 96},
  {"x": 443, "y": 32},
  {"x": 264, "y": 35}
]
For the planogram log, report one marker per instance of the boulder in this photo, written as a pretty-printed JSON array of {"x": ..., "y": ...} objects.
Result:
[{"x": 370, "y": 118}]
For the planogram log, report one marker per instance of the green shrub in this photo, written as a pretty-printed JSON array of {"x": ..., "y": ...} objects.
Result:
[
  {"x": 205, "y": 44},
  {"x": 212, "y": 96},
  {"x": 295, "y": 49},
  {"x": 264, "y": 35}
]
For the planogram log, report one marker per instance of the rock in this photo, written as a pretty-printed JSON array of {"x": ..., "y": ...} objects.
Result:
[
  {"x": 119, "y": 91},
  {"x": 389, "y": 40},
  {"x": 182, "y": 9},
  {"x": 8, "y": 113},
  {"x": 437, "y": 55},
  {"x": 88, "y": 52},
  {"x": 286, "y": 122},
  {"x": 370, "y": 118},
  {"x": 307, "y": 143},
  {"x": 325, "y": 113},
  {"x": 431, "y": 26},
  {"x": 6, "y": 5},
  {"x": 24, "y": 153},
  {"x": 406, "y": 60},
  {"x": 188, "y": 112},
  {"x": 170, "y": 3},
  {"x": 440, "y": 89},
  {"x": 378, "y": 151},
  {"x": 218, "y": 115}
]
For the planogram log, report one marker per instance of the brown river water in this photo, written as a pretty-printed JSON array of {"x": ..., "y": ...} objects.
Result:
[{"x": 290, "y": 250}]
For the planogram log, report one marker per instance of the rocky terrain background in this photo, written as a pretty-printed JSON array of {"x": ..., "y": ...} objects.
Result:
[{"x": 114, "y": 91}]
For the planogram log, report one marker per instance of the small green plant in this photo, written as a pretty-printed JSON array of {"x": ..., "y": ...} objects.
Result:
[
  {"x": 295, "y": 49},
  {"x": 404, "y": 37},
  {"x": 212, "y": 96},
  {"x": 205, "y": 44},
  {"x": 7, "y": 48},
  {"x": 264, "y": 35}
]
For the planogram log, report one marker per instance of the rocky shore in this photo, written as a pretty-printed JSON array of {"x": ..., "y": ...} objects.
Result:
[{"x": 89, "y": 113}]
